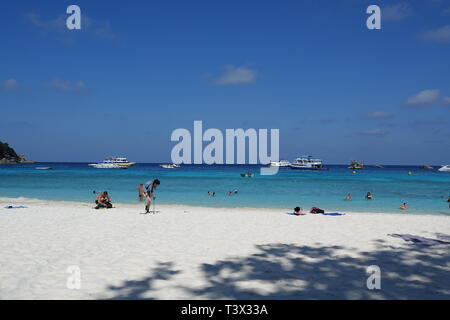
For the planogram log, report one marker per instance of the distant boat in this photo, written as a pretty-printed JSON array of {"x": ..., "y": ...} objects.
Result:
[
  {"x": 307, "y": 163},
  {"x": 113, "y": 163},
  {"x": 355, "y": 165},
  {"x": 377, "y": 166},
  {"x": 247, "y": 175},
  {"x": 169, "y": 166},
  {"x": 107, "y": 166},
  {"x": 445, "y": 168},
  {"x": 281, "y": 163},
  {"x": 43, "y": 168},
  {"x": 426, "y": 167}
]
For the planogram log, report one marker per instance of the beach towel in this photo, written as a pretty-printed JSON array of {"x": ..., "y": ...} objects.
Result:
[
  {"x": 333, "y": 214},
  {"x": 418, "y": 239},
  {"x": 15, "y": 207}
]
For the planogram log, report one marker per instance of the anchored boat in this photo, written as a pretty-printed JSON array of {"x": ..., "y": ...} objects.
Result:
[
  {"x": 355, "y": 165},
  {"x": 307, "y": 163},
  {"x": 113, "y": 163},
  {"x": 281, "y": 163},
  {"x": 169, "y": 166}
]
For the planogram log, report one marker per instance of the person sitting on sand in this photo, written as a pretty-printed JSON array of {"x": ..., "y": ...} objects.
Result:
[
  {"x": 404, "y": 206},
  {"x": 369, "y": 196},
  {"x": 103, "y": 201},
  {"x": 348, "y": 197},
  {"x": 149, "y": 189},
  {"x": 298, "y": 211}
]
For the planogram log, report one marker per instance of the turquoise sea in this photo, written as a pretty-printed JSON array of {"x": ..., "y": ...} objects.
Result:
[{"x": 425, "y": 191}]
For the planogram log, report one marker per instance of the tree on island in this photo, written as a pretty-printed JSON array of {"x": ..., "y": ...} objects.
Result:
[{"x": 7, "y": 153}]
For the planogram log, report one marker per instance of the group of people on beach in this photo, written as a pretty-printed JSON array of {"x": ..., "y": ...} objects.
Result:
[{"x": 145, "y": 190}]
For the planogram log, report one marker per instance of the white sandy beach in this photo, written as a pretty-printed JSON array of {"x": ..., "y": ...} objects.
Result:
[{"x": 209, "y": 253}]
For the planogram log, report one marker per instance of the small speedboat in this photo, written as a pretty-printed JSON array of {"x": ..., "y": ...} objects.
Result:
[
  {"x": 170, "y": 166},
  {"x": 247, "y": 175},
  {"x": 426, "y": 167},
  {"x": 355, "y": 165},
  {"x": 444, "y": 168},
  {"x": 43, "y": 168}
]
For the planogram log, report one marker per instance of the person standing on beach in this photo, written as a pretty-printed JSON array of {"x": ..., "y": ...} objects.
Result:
[
  {"x": 140, "y": 192},
  {"x": 149, "y": 192}
]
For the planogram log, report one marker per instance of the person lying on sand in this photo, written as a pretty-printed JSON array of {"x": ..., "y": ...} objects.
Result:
[
  {"x": 103, "y": 201},
  {"x": 317, "y": 210},
  {"x": 298, "y": 211}
]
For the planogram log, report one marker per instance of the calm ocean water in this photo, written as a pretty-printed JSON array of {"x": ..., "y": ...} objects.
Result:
[{"x": 425, "y": 191}]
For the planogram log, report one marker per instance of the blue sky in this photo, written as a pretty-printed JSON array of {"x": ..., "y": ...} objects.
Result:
[{"x": 140, "y": 69}]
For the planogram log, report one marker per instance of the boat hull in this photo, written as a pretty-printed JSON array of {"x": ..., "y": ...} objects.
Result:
[{"x": 307, "y": 168}]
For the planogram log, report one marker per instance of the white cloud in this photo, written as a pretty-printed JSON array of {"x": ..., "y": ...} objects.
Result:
[
  {"x": 68, "y": 86},
  {"x": 236, "y": 75},
  {"x": 379, "y": 115},
  {"x": 424, "y": 98},
  {"x": 441, "y": 35},
  {"x": 396, "y": 12},
  {"x": 9, "y": 85}
]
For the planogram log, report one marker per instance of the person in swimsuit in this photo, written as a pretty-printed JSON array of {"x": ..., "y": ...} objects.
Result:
[{"x": 103, "y": 200}]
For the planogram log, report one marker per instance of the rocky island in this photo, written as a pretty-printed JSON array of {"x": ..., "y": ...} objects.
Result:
[{"x": 9, "y": 156}]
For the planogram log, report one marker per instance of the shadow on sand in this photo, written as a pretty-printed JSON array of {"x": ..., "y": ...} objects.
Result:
[{"x": 286, "y": 271}]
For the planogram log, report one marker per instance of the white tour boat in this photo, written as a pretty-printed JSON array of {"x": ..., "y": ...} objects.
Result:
[
  {"x": 113, "y": 163},
  {"x": 307, "y": 163},
  {"x": 281, "y": 163},
  {"x": 445, "y": 168}
]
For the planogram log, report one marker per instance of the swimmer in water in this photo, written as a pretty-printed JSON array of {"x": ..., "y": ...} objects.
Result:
[
  {"x": 369, "y": 196},
  {"x": 404, "y": 206},
  {"x": 348, "y": 197}
]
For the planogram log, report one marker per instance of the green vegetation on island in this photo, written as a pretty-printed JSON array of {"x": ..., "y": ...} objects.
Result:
[{"x": 9, "y": 156}]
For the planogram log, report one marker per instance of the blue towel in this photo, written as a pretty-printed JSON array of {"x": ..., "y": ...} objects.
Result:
[
  {"x": 333, "y": 214},
  {"x": 15, "y": 207}
]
